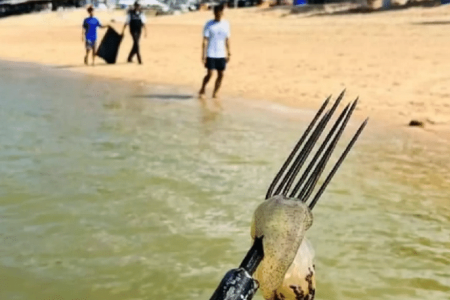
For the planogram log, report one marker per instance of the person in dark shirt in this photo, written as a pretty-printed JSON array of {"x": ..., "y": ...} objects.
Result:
[
  {"x": 89, "y": 35},
  {"x": 136, "y": 20}
]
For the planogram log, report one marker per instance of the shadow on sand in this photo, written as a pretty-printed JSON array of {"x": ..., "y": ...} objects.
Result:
[
  {"x": 99, "y": 64},
  {"x": 165, "y": 96},
  {"x": 432, "y": 23}
]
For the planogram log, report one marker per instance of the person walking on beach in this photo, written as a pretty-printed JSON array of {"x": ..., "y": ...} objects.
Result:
[
  {"x": 89, "y": 34},
  {"x": 215, "y": 49},
  {"x": 136, "y": 20}
]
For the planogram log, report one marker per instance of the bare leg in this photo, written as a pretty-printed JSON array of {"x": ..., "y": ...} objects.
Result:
[
  {"x": 206, "y": 79},
  {"x": 216, "y": 90},
  {"x": 86, "y": 57},
  {"x": 93, "y": 54},
  {"x": 218, "y": 83}
]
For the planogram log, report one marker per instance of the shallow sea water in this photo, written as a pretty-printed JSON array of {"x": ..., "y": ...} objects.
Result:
[{"x": 114, "y": 190}]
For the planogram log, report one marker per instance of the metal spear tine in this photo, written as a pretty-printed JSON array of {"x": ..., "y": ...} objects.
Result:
[
  {"x": 337, "y": 165},
  {"x": 284, "y": 187},
  {"x": 294, "y": 151},
  {"x": 318, "y": 153},
  {"x": 283, "y": 184},
  {"x": 314, "y": 177},
  {"x": 298, "y": 163}
]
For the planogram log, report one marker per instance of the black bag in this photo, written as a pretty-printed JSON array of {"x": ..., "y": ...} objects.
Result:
[{"x": 109, "y": 46}]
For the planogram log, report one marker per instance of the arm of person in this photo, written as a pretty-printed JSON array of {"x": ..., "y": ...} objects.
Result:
[
  {"x": 144, "y": 24},
  {"x": 83, "y": 31},
  {"x": 204, "y": 46},
  {"x": 205, "y": 42},
  {"x": 101, "y": 25},
  {"x": 227, "y": 43},
  {"x": 126, "y": 24}
]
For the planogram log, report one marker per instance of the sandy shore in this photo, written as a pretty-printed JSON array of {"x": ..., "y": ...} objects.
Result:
[{"x": 397, "y": 62}]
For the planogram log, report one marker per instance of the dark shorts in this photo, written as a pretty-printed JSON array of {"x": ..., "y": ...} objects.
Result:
[
  {"x": 218, "y": 64},
  {"x": 90, "y": 44}
]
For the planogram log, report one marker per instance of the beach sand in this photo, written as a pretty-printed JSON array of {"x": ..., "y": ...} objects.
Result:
[{"x": 397, "y": 62}]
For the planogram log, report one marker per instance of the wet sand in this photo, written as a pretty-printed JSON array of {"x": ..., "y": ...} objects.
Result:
[{"x": 397, "y": 62}]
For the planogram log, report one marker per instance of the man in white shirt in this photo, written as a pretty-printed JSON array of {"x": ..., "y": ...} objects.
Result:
[{"x": 215, "y": 49}]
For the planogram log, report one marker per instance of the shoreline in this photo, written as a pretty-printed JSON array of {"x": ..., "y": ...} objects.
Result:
[
  {"x": 166, "y": 64},
  {"x": 266, "y": 106}
]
